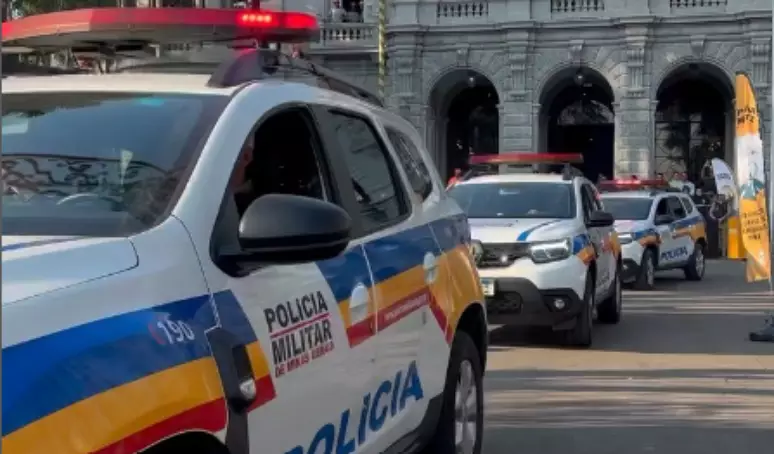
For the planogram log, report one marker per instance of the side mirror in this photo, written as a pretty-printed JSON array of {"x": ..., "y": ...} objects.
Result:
[
  {"x": 600, "y": 219},
  {"x": 284, "y": 229},
  {"x": 662, "y": 219}
]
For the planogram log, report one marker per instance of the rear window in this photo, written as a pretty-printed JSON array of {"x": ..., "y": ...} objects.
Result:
[
  {"x": 515, "y": 200},
  {"x": 627, "y": 208},
  {"x": 98, "y": 164}
]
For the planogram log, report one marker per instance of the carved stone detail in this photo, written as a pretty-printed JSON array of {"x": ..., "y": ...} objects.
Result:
[
  {"x": 576, "y": 50},
  {"x": 518, "y": 63},
  {"x": 463, "y": 55},
  {"x": 760, "y": 54},
  {"x": 697, "y": 45},
  {"x": 635, "y": 63}
]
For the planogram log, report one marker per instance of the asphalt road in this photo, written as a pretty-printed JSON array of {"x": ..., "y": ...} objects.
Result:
[{"x": 676, "y": 376}]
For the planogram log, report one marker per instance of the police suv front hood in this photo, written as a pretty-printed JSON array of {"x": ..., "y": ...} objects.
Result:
[
  {"x": 498, "y": 230},
  {"x": 36, "y": 265},
  {"x": 630, "y": 226}
]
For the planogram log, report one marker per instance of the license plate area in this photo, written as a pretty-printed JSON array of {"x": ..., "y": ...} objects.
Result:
[{"x": 488, "y": 287}]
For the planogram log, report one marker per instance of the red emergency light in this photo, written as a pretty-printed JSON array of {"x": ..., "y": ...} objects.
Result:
[
  {"x": 117, "y": 27},
  {"x": 632, "y": 184},
  {"x": 526, "y": 158}
]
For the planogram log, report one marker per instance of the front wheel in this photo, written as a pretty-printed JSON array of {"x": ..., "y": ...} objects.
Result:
[
  {"x": 581, "y": 334},
  {"x": 461, "y": 425},
  {"x": 610, "y": 310},
  {"x": 694, "y": 270},
  {"x": 646, "y": 277}
]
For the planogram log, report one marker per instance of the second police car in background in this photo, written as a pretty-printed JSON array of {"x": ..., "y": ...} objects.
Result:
[
  {"x": 226, "y": 264},
  {"x": 659, "y": 229},
  {"x": 546, "y": 251}
]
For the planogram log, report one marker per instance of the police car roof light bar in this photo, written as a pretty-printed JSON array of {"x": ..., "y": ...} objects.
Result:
[
  {"x": 120, "y": 28},
  {"x": 111, "y": 30},
  {"x": 624, "y": 184},
  {"x": 526, "y": 159}
]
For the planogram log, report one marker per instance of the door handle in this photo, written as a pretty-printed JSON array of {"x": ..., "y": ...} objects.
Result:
[
  {"x": 358, "y": 303},
  {"x": 430, "y": 265}
]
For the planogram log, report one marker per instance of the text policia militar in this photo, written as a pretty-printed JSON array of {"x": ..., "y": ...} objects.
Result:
[
  {"x": 348, "y": 431},
  {"x": 300, "y": 331}
]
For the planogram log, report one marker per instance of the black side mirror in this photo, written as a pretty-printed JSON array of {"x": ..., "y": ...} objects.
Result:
[
  {"x": 662, "y": 219},
  {"x": 600, "y": 219},
  {"x": 284, "y": 229}
]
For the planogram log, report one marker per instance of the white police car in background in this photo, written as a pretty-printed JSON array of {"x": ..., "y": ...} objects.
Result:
[
  {"x": 202, "y": 264},
  {"x": 546, "y": 252},
  {"x": 659, "y": 229}
]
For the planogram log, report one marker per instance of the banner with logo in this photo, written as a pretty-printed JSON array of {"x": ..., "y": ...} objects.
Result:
[
  {"x": 752, "y": 182},
  {"x": 725, "y": 203}
]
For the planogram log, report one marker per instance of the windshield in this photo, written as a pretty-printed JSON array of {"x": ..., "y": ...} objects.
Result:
[
  {"x": 627, "y": 208},
  {"x": 516, "y": 200},
  {"x": 97, "y": 164}
]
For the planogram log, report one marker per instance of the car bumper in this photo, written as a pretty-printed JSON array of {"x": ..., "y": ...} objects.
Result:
[
  {"x": 630, "y": 271},
  {"x": 517, "y": 301}
]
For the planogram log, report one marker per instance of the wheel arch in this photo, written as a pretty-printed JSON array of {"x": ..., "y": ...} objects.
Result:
[
  {"x": 189, "y": 442},
  {"x": 473, "y": 323}
]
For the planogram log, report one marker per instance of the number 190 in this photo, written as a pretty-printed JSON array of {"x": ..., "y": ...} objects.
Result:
[{"x": 176, "y": 331}]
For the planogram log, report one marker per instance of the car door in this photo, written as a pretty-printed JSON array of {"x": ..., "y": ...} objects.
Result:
[
  {"x": 402, "y": 256},
  {"x": 292, "y": 336},
  {"x": 664, "y": 230},
  {"x": 681, "y": 228},
  {"x": 600, "y": 238}
]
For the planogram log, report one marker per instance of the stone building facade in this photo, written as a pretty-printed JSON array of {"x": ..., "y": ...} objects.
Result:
[{"x": 524, "y": 48}]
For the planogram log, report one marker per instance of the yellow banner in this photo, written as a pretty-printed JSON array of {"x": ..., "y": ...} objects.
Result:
[{"x": 751, "y": 179}]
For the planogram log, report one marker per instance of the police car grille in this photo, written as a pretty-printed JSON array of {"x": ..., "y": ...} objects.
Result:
[
  {"x": 493, "y": 253},
  {"x": 506, "y": 303}
]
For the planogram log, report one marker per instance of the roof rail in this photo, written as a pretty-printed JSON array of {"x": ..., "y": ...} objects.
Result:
[{"x": 111, "y": 31}]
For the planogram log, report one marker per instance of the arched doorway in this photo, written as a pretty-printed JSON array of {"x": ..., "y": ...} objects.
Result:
[
  {"x": 465, "y": 117},
  {"x": 694, "y": 120},
  {"x": 577, "y": 116}
]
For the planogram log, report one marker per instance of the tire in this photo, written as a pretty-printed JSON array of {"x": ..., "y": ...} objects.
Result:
[
  {"x": 646, "y": 277},
  {"x": 609, "y": 311},
  {"x": 694, "y": 270},
  {"x": 581, "y": 334},
  {"x": 464, "y": 361}
]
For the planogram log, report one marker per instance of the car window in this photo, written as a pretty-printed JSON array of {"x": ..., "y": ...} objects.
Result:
[
  {"x": 98, "y": 164},
  {"x": 687, "y": 204},
  {"x": 410, "y": 159},
  {"x": 628, "y": 208},
  {"x": 515, "y": 200},
  {"x": 593, "y": 197},
  {"x": 662, "y": 208},
  {"x": 677, "y": 208},
  {"x": 374, "y": 181},
  {"x": 586, "y": 203}
]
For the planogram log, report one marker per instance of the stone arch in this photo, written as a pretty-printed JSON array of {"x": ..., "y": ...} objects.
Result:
[
  {"x": 693, "y": 119},
  {"x": 676, "y": 65},
  {"x": 577, "y": 108},
  {"x": 432, "y": 82},
  {"x": 558, "y": 70},
  {"x": 463, "y": 109}
]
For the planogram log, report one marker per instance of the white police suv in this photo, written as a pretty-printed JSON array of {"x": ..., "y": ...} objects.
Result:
[
  {"x": 211, "y": 260},
  {"x": 546, "y": 251},
  {"x": 659, "y": 229}
]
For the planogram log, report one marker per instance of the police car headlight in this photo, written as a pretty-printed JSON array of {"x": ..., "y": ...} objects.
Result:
[
  {"x": 550, "y": 251},
  {"x": 625, "y": 238}
]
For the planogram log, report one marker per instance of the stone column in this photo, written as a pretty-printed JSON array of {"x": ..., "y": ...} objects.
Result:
[
  {"x": 537, "y": 132},
  {"x": 516, "y": 109},
  {"x": 633, "y": 118},
  {"x": 760, "y": 75}
]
